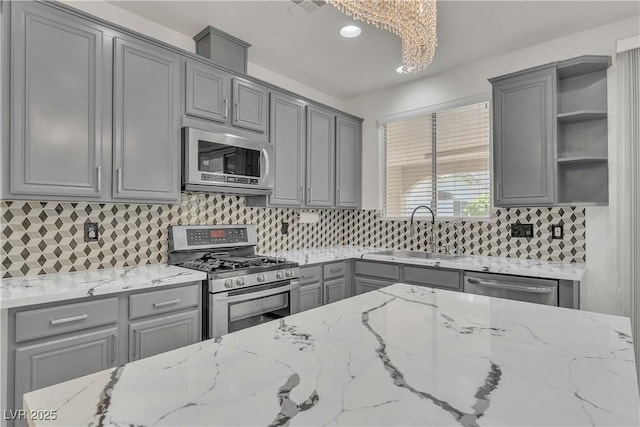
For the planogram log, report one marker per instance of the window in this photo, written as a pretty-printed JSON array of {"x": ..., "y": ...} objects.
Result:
[{"x": 440, "y": 159}]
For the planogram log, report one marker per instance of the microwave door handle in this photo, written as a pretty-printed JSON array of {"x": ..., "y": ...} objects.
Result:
[
  {"x": 252, "y": 295},
  {"x": 266, "y": 163},
  {"x": 523, "y": 288}
]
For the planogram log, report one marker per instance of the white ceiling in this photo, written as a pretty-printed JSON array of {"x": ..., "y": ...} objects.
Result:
[{"x": 310, "y": 50}]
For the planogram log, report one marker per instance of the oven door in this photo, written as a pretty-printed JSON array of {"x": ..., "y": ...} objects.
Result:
[
  {"x": 226, "y": 160},
  {"x": 243, "y": 308}
]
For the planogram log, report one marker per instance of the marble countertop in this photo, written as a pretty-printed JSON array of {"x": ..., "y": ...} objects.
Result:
[
  {"x": 25, "y": 291},
  {"x": 466, "y": 360},
  {"x": 514, "y": 266}
]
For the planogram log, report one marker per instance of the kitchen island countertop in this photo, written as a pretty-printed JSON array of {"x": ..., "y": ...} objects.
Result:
[{"x": 401, "y": 355}]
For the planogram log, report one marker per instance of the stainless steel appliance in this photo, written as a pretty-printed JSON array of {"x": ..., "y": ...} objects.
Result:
[
  {"x": 541, "y": 291},
  {"x": 242, "y": 289},
  {"x": 224, "y": 162}
]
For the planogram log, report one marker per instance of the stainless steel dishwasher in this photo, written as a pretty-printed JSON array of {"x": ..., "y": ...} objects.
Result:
[{"x": 540, "y": 291}]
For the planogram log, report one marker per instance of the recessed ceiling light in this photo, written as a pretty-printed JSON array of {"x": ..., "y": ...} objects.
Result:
[
  {"x": 350, "y": 31},
  {"x": 399, "y": 70}
]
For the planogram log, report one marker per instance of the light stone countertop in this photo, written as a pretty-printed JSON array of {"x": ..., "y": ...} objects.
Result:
[
  {"x": 400, "y": 355},
  {"x": 513, "y": 266},
  {"x": 24, "y": 291}
]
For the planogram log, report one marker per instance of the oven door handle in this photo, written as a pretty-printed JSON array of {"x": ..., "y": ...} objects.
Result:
[
  {"x": 294, "y": 284},
  {"x": 524, "y": 288}
]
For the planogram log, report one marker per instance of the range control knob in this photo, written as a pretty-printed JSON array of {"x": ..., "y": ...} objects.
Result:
[
  {"x": 239, "y": 281},
  {"x": 288, "y": 273},
  {"x": 279, "y": 275},
  {"x": 261, "y": 277},
  {"x": 228, "y": 283}
]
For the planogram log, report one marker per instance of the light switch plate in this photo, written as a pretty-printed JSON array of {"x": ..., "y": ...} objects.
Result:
[
  {"x": 557, "y": 231},
  {"x": 91, "y": 232}
]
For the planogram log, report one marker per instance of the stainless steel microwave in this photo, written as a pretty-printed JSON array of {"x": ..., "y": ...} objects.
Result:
[{"x": 222, "y": 162}]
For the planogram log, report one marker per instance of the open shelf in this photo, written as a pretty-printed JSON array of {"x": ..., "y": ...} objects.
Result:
[
  {"x": 582, "y": 159},
  {"x": 581, "y": 116},
  {"x": 583, "y": 65}
]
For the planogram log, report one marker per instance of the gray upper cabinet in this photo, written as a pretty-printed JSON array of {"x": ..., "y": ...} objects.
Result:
[
  {"x": 287, "y": 134},
  {"x": 525, "y": 138},
  {"x": 320, "y": 157},
  {"x": 146, "y": 122},
  {"x": 348, "y": 162},
  {"x": 249, "y": 105},
  {"x": 56, "y": 95},
  {"x": 207, "y": 92}
]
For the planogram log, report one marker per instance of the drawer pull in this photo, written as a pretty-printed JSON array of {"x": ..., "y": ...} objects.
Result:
[
  {"x": 69, "y": 319},
  {"x": 166, "y": 303},
  {"x": 335, "y": 270}
]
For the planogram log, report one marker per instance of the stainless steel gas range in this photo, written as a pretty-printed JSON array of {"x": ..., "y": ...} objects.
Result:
[{"x": 242, "y": 289}]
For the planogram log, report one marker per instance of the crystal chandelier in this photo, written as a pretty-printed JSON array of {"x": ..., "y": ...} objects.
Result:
[{"x": 414, "y": 21}]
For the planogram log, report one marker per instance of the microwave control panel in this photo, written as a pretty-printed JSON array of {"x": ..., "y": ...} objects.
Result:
[{"x": 227, "y": 178}]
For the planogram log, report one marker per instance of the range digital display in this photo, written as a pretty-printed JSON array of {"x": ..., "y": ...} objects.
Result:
[{"x": 215, "y": 236}]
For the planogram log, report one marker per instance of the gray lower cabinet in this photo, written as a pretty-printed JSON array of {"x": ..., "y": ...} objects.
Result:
[
  {"x": 320, "y": 157},
  {"x": 310, "y": 296},
  {"x": 524, "y": 138},
  {"x": 366, "y": 284},
  {"x": 287, "y": 134},
  {"x": 207, "y": 92},
  {"x": 249, "y": 105},
  {"x": 146, "y": 122},
  {"x": 334, "y": 290},
  {"x": 348, "y": 162},
  {"x": 53, "y": 361},
  {"x": 56, "y": 103},
  {"x": 164, "y": 333}
]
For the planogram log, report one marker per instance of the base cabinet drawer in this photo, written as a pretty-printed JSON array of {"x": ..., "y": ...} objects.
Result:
[
  {"x": 433, "y": 277},
  {"x": 310, "y": 296},
  {"x": 310, "y": 274},
  {"x": 157, "y": 335},
  {"x": 49, "y": 321},
  {"x": 364, "y": 284},
  {"x": 51, "y": 362},
  {"x": 333, "y": 270},
  {"x": 163, "y": 301}
]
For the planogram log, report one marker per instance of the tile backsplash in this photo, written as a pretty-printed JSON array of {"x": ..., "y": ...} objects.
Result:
[{"x": 47, "y": 237}]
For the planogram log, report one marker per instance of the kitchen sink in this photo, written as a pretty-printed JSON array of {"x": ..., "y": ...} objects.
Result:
[{"x": 399, "y": 253}]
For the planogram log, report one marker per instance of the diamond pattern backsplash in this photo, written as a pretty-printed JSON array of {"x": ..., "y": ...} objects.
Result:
[{"x": 47, "y": 237}]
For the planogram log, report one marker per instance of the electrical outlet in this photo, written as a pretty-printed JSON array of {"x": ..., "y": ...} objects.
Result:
[
  {"x": 557, "y": 231},
  {"x": 91, "y": 232},
  {"x": 522, "y": 230},
  {"x": 285, "y": 228}
]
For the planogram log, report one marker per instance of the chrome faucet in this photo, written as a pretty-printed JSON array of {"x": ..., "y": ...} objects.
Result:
[{"x": 433, "y": 223}]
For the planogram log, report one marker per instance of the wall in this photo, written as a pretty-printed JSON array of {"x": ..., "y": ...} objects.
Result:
[
  {"x": 47, "y": 237},
  {"x": 119, "y": 16},
  {"x": 601, "y": 291}
]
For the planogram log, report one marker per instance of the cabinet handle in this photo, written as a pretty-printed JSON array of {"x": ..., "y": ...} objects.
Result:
[
  {"x": 113, "y": 349},
  {"x": 226, "y": 108},
  {"x": 99, "y": 179},
  {"x": 135, "y": 343},
  {"x": 69, "y": 319},
  {"x": 499, "y": 196},
  {"x": 309, "y": 194},
  {"x": 335, "y": 270},
  {"x": 166, "y": 303},
  {"x": 237, "y": 107},
  {"x": 119, "y": 178},
  {"x": 300, "y": 193},
  {"x": 338, "y": 194}
]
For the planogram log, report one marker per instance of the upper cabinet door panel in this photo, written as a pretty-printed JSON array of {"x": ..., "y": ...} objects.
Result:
[
  {"x": 207, "y": 92},
  {"x": 56, "y": 92},
  {"x": 249, "y": 105},
  {"x": 348, "y": 162},
  {"x": 320, "y": 157},
  {"x": 146, "y": 122},
  {"x": 525, "y": 139},
  {"x": 287, "y": 136}
]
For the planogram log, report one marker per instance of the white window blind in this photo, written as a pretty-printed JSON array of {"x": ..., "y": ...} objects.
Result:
[{"x": 441, "y": 160}]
